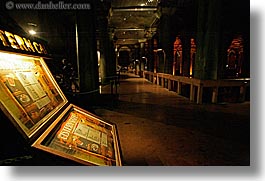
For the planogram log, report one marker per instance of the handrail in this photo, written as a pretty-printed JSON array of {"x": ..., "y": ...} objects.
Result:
[
  {"x": 205, "y": 83},
  {"x": 159, "y": 78}
]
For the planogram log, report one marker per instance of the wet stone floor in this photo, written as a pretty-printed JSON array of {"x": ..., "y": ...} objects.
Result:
[{"x": 157, "y": 127}]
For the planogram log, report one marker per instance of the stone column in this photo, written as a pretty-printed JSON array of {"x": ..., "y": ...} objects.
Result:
[
  {"x": 102, "y": 42},
  {"x": 87, "y": 52},
  {"x": 186, "y": 46},
  {"x": 246, "y": 55},
  {"x": 150, "y": 55},
  {"x": 141, "y": 60},
  {"x": 109, "y": 55},
  {"x": 166, "y": 42},
  {"x": 137, "y": 58},
  {"x": 208, "y": 39}
]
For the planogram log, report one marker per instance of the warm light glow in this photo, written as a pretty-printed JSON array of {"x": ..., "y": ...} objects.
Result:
[
  {"x": 158, "y": 50},
  {"x": 32, "y": 32},
  {"x": 98, "y": 53},
  {"x": 21, "y": 43},
  {"x": 11, "y": 61},
  {"x": 190, "y": 70}
]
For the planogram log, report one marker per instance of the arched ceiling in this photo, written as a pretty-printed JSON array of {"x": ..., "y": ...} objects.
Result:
[{"x": 133, "y": 21}]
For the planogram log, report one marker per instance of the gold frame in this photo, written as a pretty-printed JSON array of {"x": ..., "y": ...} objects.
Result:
[
  {"x": 29, "y": 133},
  {"x": 39, "y": 143},
  {"x": 35, "y": 78}
]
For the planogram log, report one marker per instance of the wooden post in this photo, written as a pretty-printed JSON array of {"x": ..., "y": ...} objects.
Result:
[
  {"x": 179, "y": 87},
  {"x": 192, "y": 92},
  {"x": 162, "y": 81},
  {"x": 215, "y": 95},
  {"x": 243, "y": 90},
  {"x": 169, "y": 86},
  {"x": 199, "y": 94}
]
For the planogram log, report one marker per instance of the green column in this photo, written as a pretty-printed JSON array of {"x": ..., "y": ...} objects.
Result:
[{"x": 208, "y": 39}]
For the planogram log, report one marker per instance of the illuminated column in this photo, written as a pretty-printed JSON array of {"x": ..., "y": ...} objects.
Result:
[{"x": 87, "y": 52}]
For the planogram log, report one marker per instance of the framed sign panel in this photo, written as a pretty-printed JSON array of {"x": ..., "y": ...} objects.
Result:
[
  {"x": 29, "y": 95},
  {"x": 33, "y": 101},
  {"x": 82, "y": 137}
]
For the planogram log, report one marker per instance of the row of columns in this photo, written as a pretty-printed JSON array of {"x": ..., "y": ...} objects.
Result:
[
  {"x": 212, "y": 38},
  {"x": 209, "y": 36},
  {"x": 88, "y": 49}
]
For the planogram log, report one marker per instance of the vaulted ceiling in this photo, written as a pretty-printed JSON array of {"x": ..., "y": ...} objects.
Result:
[
  {"x": 129, "y": 21},
  {"x": 132, "y": 22}
]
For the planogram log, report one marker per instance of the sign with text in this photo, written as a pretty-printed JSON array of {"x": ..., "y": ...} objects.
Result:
[{"x": 16, "y": 42}]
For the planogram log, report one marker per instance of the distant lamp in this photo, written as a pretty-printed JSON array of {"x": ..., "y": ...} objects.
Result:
[
  {"x": 32, "y": 32},
  {"x": 32, "y": 28}
]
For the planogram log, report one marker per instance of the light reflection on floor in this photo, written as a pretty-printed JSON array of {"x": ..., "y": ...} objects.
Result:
[{"x": 159, "y": 127}]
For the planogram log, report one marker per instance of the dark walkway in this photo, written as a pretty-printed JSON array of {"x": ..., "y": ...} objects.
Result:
[{"x": 159, "y": 127}]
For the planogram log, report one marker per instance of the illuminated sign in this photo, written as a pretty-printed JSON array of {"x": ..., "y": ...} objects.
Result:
[{"x": 21, "y": 43}]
